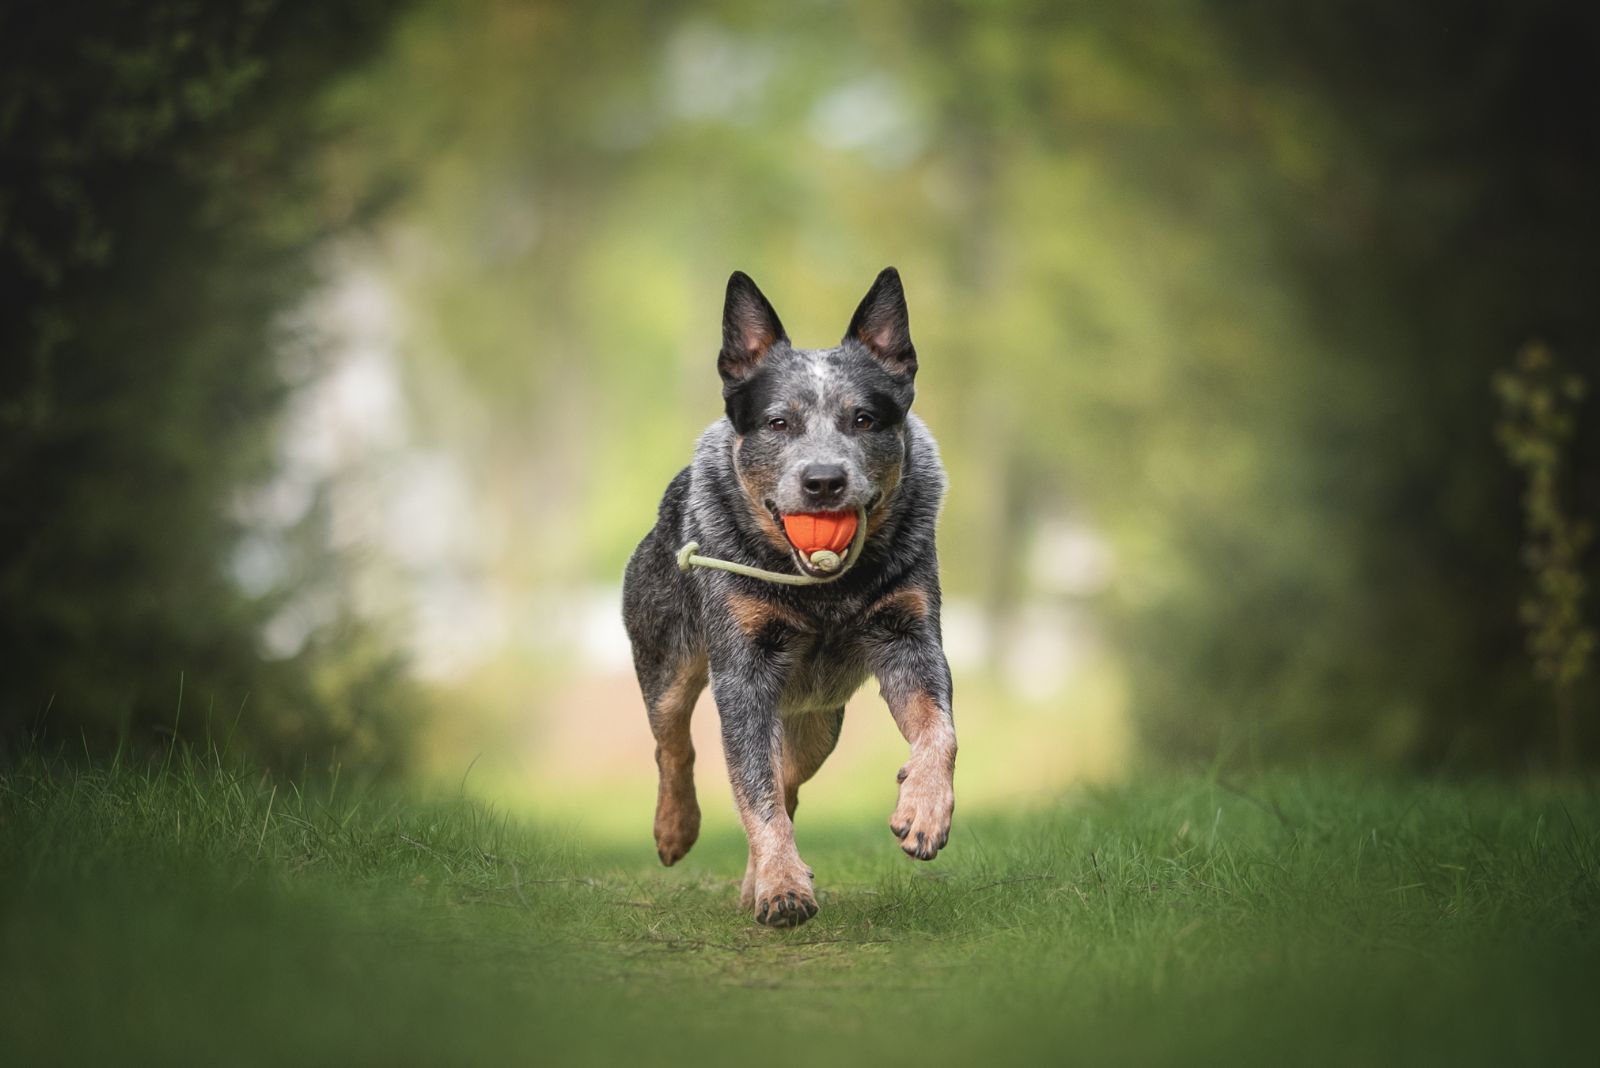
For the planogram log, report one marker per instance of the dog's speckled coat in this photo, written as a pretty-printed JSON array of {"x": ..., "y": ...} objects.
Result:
[{"x": 805, "y": 430}]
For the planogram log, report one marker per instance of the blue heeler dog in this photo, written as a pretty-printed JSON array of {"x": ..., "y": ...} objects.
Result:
[{"x": 810, "y": 436}]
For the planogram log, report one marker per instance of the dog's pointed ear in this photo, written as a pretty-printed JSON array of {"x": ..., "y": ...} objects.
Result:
[
  {"x": 749, "y": 329},
  {"x": 881, "y": 324}
]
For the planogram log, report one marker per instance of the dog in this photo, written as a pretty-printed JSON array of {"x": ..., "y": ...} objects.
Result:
[{"x": 805, "y": 432}]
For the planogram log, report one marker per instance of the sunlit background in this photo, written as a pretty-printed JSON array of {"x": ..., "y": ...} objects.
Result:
[{"x": 336, "y": 443}]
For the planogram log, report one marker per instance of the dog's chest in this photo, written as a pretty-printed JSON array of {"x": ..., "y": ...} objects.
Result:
[{"x": 824, "y": 673}]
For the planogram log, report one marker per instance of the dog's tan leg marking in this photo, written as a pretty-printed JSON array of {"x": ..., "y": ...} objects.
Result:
[
  {"x": 754, "y": 614},
  {"x": 807, "y": 741},
  {"x": 921, "y": 820},
  {"x": 777, "y": 884},
  {"x": 677, "y": 810},
  {"x": 908, "y": 601}
]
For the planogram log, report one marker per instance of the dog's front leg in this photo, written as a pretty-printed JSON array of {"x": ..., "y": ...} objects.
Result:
[
  {"x": 747, "y": 680},
  {"x": 914, "y": 678}
]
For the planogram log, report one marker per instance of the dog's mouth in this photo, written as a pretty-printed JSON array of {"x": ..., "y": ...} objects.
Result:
[{"x": 813, "y": 535}]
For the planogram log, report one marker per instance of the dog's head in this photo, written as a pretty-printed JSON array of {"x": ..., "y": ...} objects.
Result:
[{"x": 818, "y": 430}]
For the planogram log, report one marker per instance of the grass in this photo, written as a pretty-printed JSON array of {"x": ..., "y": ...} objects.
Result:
[{"x": 190, "y": 913}]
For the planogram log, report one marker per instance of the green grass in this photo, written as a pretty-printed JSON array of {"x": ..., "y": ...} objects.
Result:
[{"x": 196, "y": 915}]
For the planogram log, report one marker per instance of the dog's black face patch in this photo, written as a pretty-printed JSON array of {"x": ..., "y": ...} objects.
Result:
[{"x": 818, "y": 430}]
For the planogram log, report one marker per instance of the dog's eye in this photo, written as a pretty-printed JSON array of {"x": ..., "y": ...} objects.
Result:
[
  {"x": 864, "y": 421},
  {"x": 780, "y": 425}
]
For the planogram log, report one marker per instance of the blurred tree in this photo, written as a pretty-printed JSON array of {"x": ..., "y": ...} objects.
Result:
[
  {"x": 1538, "y": 400},
  {"x": 1225, "y": 280},
  {"x": 1439, "y": 217},
  {"x": 1222, "y": 281},
  {"x": 157, "y": 200}
]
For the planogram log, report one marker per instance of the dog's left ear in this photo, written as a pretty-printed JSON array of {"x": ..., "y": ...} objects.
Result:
[
  {"x": 749, "y": 328},
  {"x": 881, "y": 324}
]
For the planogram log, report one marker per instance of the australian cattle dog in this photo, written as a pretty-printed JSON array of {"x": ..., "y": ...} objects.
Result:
[{"x": 818, "y": 437}]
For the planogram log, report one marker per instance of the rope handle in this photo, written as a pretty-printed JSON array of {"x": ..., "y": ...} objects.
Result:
[{"x": 689, "y": 556}]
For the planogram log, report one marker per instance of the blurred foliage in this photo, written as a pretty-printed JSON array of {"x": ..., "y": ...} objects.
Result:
[
  {"x": 1538, "y": 398},
  {"x": 1220, "y": 282},
  {"x": 1445, "y": 227},
  {"x": 158, "y": 199}
]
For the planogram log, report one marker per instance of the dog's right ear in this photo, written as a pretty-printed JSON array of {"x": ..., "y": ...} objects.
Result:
[
  {"x": 749, "y": 329},
  {"x": 880, "y": 323}
]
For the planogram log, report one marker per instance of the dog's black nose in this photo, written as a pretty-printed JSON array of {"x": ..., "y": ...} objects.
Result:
[{"x": 823, "y": 483}]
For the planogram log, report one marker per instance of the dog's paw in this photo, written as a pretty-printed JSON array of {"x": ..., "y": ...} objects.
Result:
[
  {"x": 677, "y": 826},
  {"x": 788, "y": 908},
  {"x": 783, "y": 899},
  {"x": 922, "y": 818}
]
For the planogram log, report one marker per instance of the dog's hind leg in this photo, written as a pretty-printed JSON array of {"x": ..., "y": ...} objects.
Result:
[
  {"x": 670, "y": 692},
  {"x": 807, "y": 741},
  {"x": 670, "y": 659}
]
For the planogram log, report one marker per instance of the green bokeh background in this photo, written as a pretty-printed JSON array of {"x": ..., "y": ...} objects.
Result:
[{"x": 1208, "y": 298}]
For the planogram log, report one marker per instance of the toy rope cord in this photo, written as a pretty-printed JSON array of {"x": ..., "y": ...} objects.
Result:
[{"x": 823, "y": 560}]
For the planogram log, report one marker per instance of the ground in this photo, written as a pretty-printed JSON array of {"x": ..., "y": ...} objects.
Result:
[{"x": 184, "y": 913}]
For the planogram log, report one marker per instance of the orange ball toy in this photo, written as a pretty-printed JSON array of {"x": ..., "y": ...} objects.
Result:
[{"x": 814, "y": 531}]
